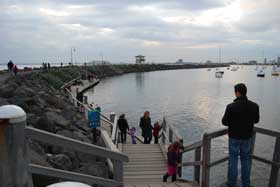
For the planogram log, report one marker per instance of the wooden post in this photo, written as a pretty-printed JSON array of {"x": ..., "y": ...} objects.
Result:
[
  {"x": 112, "y": 117},
  {"x": 13, "y": 147},
  {"x": 197, "y": 157},
  {"x": 206, "y": 160},
  {"x": 85, "y": 99},
  {"x": 180, "y": 160},
  {"x": 170, "y": 134},
  {"x": 274, "y": 169},
  {"x": 164, "y": 130},
  {"x": 118, "y": 170},
  {"x": 252, "y": 150}
]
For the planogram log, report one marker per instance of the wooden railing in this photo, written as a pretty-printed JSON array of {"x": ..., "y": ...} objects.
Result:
[
  {"x": 53, "y": 139},
  {"x": 202, "y": 156}
]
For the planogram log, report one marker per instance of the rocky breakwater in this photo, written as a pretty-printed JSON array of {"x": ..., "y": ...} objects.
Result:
[{"x": 49, "y": 109}]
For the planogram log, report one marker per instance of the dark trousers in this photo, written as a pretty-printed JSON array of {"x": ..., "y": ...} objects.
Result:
[
  {"x": 156, "y": 139},
  {"x": 147, "y": 139},
  {"x": 123, "y": 136},
  {"x": 165, "y": 177}
]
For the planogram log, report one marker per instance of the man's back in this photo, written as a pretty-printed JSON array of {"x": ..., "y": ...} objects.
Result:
[{"x": 240, "y": 117}]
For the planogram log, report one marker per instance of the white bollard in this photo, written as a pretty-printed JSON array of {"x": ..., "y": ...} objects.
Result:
[{"x": 13, "y": 147}]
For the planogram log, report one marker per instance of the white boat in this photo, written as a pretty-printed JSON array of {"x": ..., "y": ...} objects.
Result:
[
  {"x": 219, "y": 74},
  {"x": 261, "y": 73},
  {"x": 234, "y": 68}
]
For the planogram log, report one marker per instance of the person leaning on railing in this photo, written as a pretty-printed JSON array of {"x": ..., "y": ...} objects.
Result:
[{"x": 240, "y": 117}]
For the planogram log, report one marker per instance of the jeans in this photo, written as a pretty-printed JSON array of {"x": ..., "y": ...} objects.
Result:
[
  {"x": 242, "y": 148},
  {"x": 123, "y": 136},
  {"x": 147, "y": 139}
]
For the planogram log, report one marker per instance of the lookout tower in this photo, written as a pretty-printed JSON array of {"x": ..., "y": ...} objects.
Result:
[{"x": 140, "y": 59}]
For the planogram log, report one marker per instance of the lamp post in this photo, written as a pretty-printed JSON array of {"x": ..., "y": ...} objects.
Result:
[{"x": 72, "y": 49}]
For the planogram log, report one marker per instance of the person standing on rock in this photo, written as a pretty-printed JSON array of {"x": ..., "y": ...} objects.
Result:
[
  {"x": 15, "y": 70},
  {"x": 123, "y": 127},
  {"x": 146, "y": 127},
  {"x": 10, "y": 66},
  {"x": 240, "y": 117}
]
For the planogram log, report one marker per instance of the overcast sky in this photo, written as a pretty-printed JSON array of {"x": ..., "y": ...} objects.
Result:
[{"x": 32, "y": 31}]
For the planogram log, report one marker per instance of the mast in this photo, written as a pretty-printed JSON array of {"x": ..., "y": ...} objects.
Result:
[{"x": 219, "y": 54}]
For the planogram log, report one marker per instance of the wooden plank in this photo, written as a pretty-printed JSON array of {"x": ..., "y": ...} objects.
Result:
[
  {"x": 155, "y": 185},
  {"x": 137, "y": 169},
  {"x": 267, "y": 132},
  {"x": 192, "y": 146},
  {"x": 219, "y": 161},
  {"x": 76, "y": 145},
  {"x": 115, "y": 131},
  {"x": 197, "y": 157},
  {"x": 118, "y": 170},
  {"x": 206, "y": 160},
  {"x": 217, "y": 133},
  {"x": 108, "y": 142},
  {"x": 157, "y": 172},
  {"x": 275, "y": 169},
  {"x": 41, "y": 170}
]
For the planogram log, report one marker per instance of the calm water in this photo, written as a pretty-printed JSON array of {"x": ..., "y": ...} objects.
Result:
[{"x": 194, "y": 101}]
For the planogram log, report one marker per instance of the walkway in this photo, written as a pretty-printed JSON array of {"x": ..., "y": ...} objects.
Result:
[{"x": 146, "y": 166}]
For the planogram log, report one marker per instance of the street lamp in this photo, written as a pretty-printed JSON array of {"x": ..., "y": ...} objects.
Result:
[{"x": 72, "y": 49}]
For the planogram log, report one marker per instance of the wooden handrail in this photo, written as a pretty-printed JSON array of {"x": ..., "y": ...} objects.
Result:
[
  {"x": 206, "y": 164},
  {"x": 267, "y": 132},
  {"x": 69, "y": 82},
  {"x": 58, "y": 173},
  {"x": 58, "y": 140},
  {"x": 192, "y": 146}
]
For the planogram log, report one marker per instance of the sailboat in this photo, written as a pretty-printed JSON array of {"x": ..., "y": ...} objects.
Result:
[
  {"x": 219, "y": 73},
  {"x": 261, "y": 73}
]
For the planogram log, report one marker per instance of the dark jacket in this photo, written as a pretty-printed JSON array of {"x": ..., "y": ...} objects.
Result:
[
  {"x": 240, "y": 117},
  {"x": 122, "y": 124},
  {"x": 146, "y": 126}
]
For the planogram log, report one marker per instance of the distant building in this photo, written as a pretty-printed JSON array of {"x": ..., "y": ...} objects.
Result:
[
  {"x": 278, "y": 60},
  {"x": 208, "y": 62},
  {"x": 140, "y": 59},
  {"x": 265, "y": 60},
  {"x": 180, "y": 61},
  {"x": 252, "y": 62}
]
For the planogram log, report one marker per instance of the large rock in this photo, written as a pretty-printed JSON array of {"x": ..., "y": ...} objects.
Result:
[
  {"x": 60, "y": 161},
  {"x": 98, "y": 169},
  {"x": 57, "y": 119},
  {"x": 46, "y": 124}
]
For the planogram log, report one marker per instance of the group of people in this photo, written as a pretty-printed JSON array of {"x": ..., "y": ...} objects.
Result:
[
  {"x": 240, "y": 117},
  {"x": 12, "y": 68},
  {"x": 46, "y": 66},
  {"x": 148, "y": 131}
]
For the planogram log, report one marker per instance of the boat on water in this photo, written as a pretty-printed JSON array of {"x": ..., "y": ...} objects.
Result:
[
  {"x": 275, "y": 71},
  {"x": 219, "y": 74},
  {"x": 209, "y": 69},
  {"x": 234, "y": 68},
  {"x": 261, "y": 73}
]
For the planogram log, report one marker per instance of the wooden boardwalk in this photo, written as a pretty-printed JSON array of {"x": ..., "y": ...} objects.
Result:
[{"x": 146, "y": 166}]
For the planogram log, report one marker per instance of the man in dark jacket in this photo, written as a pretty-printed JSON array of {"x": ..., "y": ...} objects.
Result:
[
  {"x": 146, "y": 127},
  {"x": 123, "y": 127},
  {"x": 240, "y": 117}
]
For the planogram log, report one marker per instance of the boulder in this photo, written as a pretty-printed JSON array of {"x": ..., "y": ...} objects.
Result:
[
  {"x": 60, "y": 161},
  {"x": 46, "y": 124},
  {"x": 57, "y": 119}
]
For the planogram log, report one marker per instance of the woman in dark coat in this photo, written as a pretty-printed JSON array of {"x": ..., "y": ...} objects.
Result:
[
  {"x": 123, "y": 127},
  {"x": 146, "y": 126}
]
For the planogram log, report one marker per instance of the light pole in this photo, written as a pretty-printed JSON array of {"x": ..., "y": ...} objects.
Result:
[{"x": 72, "y": 49}]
